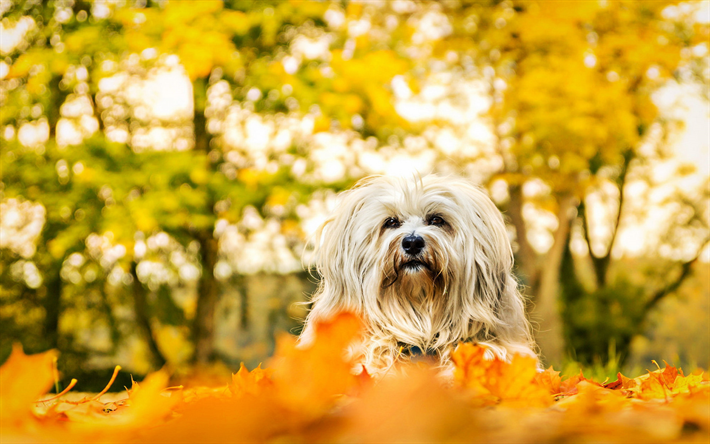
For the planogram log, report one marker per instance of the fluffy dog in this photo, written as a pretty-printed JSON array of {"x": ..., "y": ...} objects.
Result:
[{"x": 426, "y": 262}]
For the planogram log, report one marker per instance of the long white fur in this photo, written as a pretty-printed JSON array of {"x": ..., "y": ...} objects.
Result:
[{"x": 469, "y": 293}]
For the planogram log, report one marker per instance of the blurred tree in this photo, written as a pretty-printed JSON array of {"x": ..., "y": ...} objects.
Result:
[
  {"x": 237, "y": 42},
  {"x": 36, "y": 90},
  {"x": 571, "y": 89},
  {"x": 72, "y": 50},
  {"x": 273, "y": 100},
  {"x": 204, "y": 35}
]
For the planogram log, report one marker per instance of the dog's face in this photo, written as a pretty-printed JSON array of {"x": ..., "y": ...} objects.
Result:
[
  {"x": 417, "y": 240},
  {"x": 424, "y": 260},
  {"x": 431, "y": 230}
]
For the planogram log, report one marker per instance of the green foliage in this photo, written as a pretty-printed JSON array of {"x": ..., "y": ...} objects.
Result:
[{"x": 599, "y": 325}]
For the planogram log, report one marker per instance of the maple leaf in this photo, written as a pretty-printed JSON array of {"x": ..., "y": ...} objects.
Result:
[
  {"x": 308, "y": 379},
  {"x": 568, "y": 387},
  {"x": 627, "y": 385},
  {"x": 549, "y": 379},
  {"x": 686, "y": 384},
  {"x": 669, "y": 374},
  {"x": 514, "y": 383},
  {"x": 597, "y": 414},
  {"x": 652, "y": 386},
  {"x": 471, "y": 367},
  {"x": 23, "y": 379},
  {"x": 614, "y": 385},
  {"x": 92, "y": 421},
  {"x": 494, "y": 381},
  {"x": 151, "y": 403},
  {"x": 304, "y": 385},
  {"x": 590, "y": 396},
  {"x": 250, "y": 382}
]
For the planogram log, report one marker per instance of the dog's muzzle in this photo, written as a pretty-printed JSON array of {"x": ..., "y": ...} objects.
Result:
[{"x": 413, "y": 244}]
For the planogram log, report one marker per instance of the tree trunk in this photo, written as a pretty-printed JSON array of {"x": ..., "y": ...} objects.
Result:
[
  {"x": 207, "y": 291},
  {"x": 546, "y": 312},
  {"x": 52, "y": 306},
  {"x": 526, "y": 256},
  {"x": 244, "y": 318},
  {"x": 57, "y": 96},
  {"x": 599, "y": 263},
  {"x": 140, "y": 307},
  {"x": 207, "y": 296}
]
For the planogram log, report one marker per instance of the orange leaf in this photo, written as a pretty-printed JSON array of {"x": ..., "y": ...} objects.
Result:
[
  {"x": 669, "y": 374},
  {"x": 569, "y": 385},
  {"x": 495, "y": 381},
  {"x": 550, "y": 380},
  {"x": 23, "y": 379},
  {"x": 626, "y": 383},
  {"x": 308, "y": 379},
  {"x": 250, "y": 382},
  {"x": 411, "y": 407},
  {"x": 653, "y": 387}
]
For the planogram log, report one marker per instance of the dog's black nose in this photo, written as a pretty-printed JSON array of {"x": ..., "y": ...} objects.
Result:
[{"x": 412, "y": 244}]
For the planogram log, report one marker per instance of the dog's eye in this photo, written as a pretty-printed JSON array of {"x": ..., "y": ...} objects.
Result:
[
  {"x": 437, "y": 221},
  {"x": 392, "y": 222}
]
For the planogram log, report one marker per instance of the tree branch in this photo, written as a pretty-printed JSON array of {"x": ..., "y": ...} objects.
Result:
[
  {"x": 621, "y": 182},
  {"x": 582, "y": 210},
  {"x": 673, "y": 286},
  {"x": 599, "y": 263}
]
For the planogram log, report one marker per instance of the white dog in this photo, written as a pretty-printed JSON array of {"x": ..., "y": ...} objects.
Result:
[{"x": 426, "y": 262}]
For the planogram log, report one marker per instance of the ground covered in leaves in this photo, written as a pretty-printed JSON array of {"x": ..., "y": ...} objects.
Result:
[{"x": 310, "y": 395}]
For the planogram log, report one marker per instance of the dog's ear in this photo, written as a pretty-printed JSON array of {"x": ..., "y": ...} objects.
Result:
[
  {"x": 498, "y": 303},
  {"x": 339, "y": 255},
  {"x": 514, "y": 330}
]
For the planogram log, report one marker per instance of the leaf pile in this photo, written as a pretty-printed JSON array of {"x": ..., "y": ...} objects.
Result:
[{"x": 311, "y": 395}]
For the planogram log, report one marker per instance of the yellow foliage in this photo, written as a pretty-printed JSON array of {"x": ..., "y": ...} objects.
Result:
[
  {"x": 198, "y": 32},
  {"x": 22, "y": 66},
  {"x": 322, "y": 123},
  {"x": 279, "y": 196},
  {"x": 249, "y": 176},
  {"x": 236, "y": 21}
]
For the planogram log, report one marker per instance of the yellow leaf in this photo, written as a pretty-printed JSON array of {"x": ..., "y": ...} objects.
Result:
[
  {"x": 23, "y": 379},
  {"x": 497, "y": 381}
]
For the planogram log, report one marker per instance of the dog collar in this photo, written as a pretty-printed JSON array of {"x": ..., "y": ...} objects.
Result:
[{"x": 416, "y": 352}]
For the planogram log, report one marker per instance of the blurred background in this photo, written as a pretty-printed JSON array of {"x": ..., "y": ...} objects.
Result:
[{"x": 163, "y": 163}]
